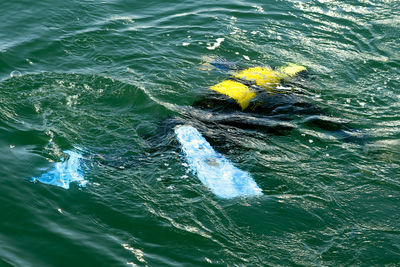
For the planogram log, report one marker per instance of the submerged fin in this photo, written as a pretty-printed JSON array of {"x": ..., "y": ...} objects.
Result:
[
  {"x": 213, "y": 169},
  {"x": 65, "y": 172},
  {"x": 220, "y": 64}
]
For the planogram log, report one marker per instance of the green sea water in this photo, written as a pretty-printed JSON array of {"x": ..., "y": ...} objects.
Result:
[{"x": 102, "y": 76}]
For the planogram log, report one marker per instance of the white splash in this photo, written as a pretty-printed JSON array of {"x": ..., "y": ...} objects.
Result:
[
  {"x": 216, "y": 44},
  {"x": 259, "y": 8}
]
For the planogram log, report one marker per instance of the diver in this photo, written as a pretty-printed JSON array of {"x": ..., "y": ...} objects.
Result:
[
  {"x": 256, "y": 98},
  {"x": 265, "y": 99}
]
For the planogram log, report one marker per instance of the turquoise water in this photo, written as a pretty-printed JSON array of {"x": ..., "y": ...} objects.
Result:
[{"x": 99, "y": 76}]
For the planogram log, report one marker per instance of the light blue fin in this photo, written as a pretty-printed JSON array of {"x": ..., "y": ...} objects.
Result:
[
  {"x": 64, "y": 173},
  {"x": 213, "y": 169},
  {"x": 224, "y": 66},
  {"x": 220, "y": 64}
]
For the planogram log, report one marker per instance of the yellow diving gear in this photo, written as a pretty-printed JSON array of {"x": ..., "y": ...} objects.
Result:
[
  {"x": 241, "y": 86},
  {"x": 291, "y": 70},
  {"x": 261, "y": 76},
  {"x": 235, "y": 90}
]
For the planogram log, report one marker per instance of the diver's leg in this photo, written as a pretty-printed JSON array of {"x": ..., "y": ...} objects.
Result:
[{"x": 336, "y": 127}]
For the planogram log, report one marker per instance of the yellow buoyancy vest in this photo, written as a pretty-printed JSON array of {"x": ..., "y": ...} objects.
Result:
[{"x": 263, "y": 77}]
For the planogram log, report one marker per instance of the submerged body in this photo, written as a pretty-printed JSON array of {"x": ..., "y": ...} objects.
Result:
[
  {"x": 256, "y": 98},
  {"x": 250, "y": 100}
]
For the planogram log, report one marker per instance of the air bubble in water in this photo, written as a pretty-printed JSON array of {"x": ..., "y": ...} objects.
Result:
[{"x": 15, "y": 73}]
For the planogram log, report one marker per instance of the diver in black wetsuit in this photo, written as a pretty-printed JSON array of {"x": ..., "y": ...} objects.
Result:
[{"x": 258, "y": 98}]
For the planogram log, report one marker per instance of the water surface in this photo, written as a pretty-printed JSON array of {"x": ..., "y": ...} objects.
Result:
[{"x": 98, "y": 76}]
